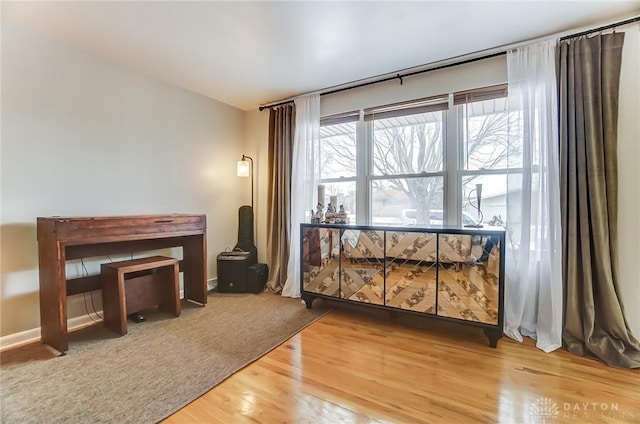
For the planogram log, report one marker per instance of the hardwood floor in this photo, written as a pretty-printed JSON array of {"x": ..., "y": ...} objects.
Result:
[{"x": 367, "y": 367}]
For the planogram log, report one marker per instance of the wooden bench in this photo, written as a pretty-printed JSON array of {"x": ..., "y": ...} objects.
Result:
[{"x": 137, "y": 284}]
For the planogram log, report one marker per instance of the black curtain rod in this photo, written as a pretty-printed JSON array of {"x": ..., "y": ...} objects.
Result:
[
  {"x": 449, "y": 65},
  {"x": 409, "y": 74},
  {"x": 602, "y": 28},
  {"x": 391, "y": 78}
]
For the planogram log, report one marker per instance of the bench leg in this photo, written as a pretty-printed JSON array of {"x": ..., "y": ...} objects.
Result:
[
  {"x": 113, "y": 301},
  {"x": 168, "y": 276}
]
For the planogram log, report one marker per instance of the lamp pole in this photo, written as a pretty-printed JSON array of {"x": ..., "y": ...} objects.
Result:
[{"x": 245, "y": 157}]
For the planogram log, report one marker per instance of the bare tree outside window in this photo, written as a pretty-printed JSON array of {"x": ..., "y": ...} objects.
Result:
[
  {"x": 338, "y": 163},
  {"x": 338, "y": 151},
  {"x": 409, "y": 152},
  {"x": 489, "y": 150}
]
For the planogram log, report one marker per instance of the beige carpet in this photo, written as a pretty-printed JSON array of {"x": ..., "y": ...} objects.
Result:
[{"x": 160, "y": 366}]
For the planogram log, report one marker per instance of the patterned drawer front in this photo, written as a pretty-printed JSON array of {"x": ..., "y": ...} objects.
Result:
[
  {"x": 362, "y": 278},
  {"x": 411, "y": 246},
  {"x": 320, "y": 247},
  {"x": 468, "y": 291}
]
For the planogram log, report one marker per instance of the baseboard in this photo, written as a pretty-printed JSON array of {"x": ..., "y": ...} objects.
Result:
[
  {"x": 33, "y": 335},
  {"x": 19, "y": 339},
  {"x": 212, "y": 284}
]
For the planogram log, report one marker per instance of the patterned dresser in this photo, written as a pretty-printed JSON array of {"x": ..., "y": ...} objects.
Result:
[{"x": 453, "y": 274}]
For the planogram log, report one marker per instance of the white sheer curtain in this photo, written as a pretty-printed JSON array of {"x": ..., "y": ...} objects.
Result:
[
  {"x": 303, "y": 180},
  {"x": 533, "y": 277}
]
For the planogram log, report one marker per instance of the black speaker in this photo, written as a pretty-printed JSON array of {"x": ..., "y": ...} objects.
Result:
[
  {"x": 232, "y": 272},
  {"x": 257, "y": 277}
]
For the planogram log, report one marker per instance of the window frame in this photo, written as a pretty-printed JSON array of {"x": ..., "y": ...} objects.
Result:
[{"x": 453, "y": 171}]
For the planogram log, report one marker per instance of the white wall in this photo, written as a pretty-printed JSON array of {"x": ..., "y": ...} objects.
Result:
[
  {"x": 257, "y": 142},
  {"x": 83, "y": 137}
]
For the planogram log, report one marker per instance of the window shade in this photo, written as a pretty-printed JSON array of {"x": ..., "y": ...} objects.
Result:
[
  {"x": 341, "y": 118},
  {"x": 425, "y": 105},
  {"x": 480, "y": 94},
  {"x": 429, "y": 104}
]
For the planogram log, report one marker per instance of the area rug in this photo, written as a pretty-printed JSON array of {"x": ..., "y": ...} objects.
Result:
[{"x": 161, "y": 365}]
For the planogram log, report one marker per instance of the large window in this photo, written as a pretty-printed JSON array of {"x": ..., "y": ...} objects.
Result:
[{"x": 398, "y": 164}]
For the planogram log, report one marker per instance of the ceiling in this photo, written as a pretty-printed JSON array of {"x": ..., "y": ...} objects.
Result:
[{"x": 250, "y": 53}]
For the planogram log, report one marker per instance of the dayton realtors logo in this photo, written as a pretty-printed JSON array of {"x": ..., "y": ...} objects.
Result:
[{"x": 546, "y": 409}]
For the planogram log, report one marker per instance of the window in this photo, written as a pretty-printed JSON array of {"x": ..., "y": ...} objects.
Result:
[
  {"x": 389, "y": 165},
  {"x": 484, "y": 125},
  {"x": 408, "y": 165},
  {"x": 338, "y": 161}
]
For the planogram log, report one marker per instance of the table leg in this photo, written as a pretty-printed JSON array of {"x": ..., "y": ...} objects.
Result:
[{"x": 195, "y": 268}]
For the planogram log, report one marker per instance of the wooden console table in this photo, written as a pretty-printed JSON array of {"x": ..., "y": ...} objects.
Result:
[{"x": 65, "y": 238}]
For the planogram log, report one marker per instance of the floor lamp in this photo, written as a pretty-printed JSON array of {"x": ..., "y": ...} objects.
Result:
[
  {"x": 245, "y": 169},
  {"x": 246, "y": 232}
]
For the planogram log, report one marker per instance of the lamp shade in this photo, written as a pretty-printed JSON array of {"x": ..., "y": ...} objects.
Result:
[{"x": 243, "y": 168}]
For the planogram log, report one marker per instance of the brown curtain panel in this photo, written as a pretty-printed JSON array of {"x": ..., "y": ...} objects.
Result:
[
  {"x": 281, "y": 132},
  {"x": 588, "y": 84}
]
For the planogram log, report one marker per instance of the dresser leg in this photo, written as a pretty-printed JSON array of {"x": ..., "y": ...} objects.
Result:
[
  {"x": 494, "y": 335},
  {"x": 308, "y": 300}
]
